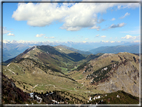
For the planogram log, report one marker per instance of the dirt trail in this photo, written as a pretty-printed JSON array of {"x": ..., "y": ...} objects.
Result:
[{"x": 34, "y": 86}]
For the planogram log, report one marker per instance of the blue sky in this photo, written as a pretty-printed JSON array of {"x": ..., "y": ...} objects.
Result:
[{"x": 78, "y": 22}]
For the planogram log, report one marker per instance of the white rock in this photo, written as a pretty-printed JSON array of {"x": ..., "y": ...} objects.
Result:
[
  {"x": 118, "y": 96},
  {"x": 90, "y": 98},
  {"x": 99, "y": 96}
]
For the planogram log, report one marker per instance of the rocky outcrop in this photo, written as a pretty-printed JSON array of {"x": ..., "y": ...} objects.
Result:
[{"x": 113, "y": 72}]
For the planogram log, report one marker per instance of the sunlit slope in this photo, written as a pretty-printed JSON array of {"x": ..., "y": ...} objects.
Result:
[
  {"x": 62, "y": 49},
  {"x": 31, "y": 76},
  {"x": 67, "y": 50},
  {"x": 43, "y": 68},
  {"x": 118, "y": 97},
  {"x": 40, "y": 68},
  {"x": 50, "y": 56},
  {"x": 111, "y": 72}
]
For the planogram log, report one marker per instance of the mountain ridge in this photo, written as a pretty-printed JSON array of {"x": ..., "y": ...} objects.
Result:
[
  {"x": 46, "y": 68},
  {"x": 73, "y": 50},
  {"x": 116, "y": 49}
]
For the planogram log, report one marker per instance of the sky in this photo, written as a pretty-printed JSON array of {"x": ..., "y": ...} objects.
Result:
[{"x": 76, "y": 22}]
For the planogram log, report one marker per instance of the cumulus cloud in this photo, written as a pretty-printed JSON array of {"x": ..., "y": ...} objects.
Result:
[
  {"x": 118, "y": 25},
  {"x": 10, "y": 34},
  {"x": 74, "y": 16},
  {"x": 103, "y": 36},
  {"x": 113, "y": 19},
  {"x": 126, "y": 14},
  {"x": 129, "y": 37},
  {"x": 39, "y": 35}
]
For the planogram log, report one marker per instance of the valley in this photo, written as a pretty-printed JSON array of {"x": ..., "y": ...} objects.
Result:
[
  {"x": 74, "y": 76},
  {"x": 71, "y": 53}
]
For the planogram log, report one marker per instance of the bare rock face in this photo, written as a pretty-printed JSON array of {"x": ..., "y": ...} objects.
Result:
[{"x": 113, "y": 72}]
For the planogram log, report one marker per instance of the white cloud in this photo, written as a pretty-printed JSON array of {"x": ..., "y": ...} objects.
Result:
[
  {"x": 97, "y": 35},
  {"x": 118, "y": 25},
  {"x": 74, "y": 16},
  {"x": 5, "y": 30},
  {"x": 39, "y": 35},
  {"x": 121, "y": 24},
  {"x": 84, "y": 41},
  {"x": 6, "y": 41},
  {"x": 129, "y": 37},
  {"x": 86, "y": 38},
  {"x": 49, "y": 37},
  {"x": 113, "y": 19},
  {"x": 96, "y": 27},
  {"x": 10, "y": 34},
  {"x": 126, "y": 14},
  {"x": 103, "y": 36},
  {"x": 112, "y": 41},
  {"x": 128, "y": 5},
  {"x": 100, "y": 20},
  {"x": 45, "y": 37},
  {"x": 105, "y": 41}
]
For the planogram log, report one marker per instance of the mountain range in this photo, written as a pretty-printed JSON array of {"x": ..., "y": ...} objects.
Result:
[
  {"x": 116, "y": 49},
  {"x": 75, "y": 75},
  {"x": 11, "y": 50}
]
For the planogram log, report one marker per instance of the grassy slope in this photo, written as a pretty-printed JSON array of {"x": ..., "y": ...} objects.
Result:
[
  {"x": 27, "y": 77},
  {"x": 111, "y": 98},
  {"x": 63, "y": 50},
  {"x": 103, "y": 61},
  {"x": 13, "y": 95},
  {"x": 34, "y": 78}
]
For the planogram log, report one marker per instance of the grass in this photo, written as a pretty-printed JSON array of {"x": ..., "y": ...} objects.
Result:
[
  {"x": 40, "y": 77},
  {"x": 112, "y": 98},
  {"x": 44, "y": 72},
  {"x": 63, "y": 50}
]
